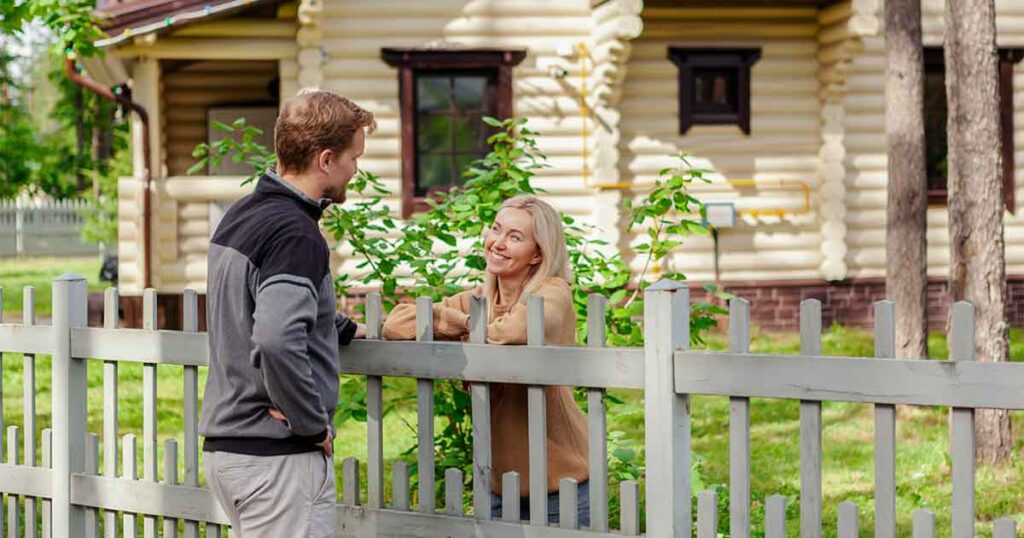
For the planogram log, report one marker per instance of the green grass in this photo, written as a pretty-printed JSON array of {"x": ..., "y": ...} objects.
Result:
[{"x": 16, "y": 273}]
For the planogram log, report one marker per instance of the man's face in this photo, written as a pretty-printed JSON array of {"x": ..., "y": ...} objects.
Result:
[{"x": 339, "y": 167}]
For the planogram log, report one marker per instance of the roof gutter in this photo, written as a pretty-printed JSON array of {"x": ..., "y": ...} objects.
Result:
[{"x": 122, "y": 98}]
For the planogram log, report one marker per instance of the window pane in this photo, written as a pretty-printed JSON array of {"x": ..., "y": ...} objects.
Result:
[
  {"x": 935, "y": 128},
  {"x": 433, "y": 93},
  {"x": 434, "y": 171},
  {"x": 469, "y": 134},
  {"x": 714, "y": 89},
  {"x": 462, "y": 163},
  {"x": 471, "y": 92},
  {"x": 433, "y": 133}
]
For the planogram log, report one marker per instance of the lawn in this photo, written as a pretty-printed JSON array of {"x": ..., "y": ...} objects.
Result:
[
  {"x": 923, "y": 464},
  {"x": 16, "y": 273}
]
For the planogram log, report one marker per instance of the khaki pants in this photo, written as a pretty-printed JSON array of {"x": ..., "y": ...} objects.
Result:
[{"x": 274, "y": 496}]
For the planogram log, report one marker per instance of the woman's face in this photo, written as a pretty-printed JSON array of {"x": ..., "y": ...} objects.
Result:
[{"x": 509, "y": 246}]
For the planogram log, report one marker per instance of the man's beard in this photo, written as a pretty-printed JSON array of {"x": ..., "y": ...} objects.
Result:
[{"x": 335, "y": 195}]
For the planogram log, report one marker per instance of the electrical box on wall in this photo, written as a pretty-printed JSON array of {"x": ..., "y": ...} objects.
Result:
[{"x": 720, "y": 214}]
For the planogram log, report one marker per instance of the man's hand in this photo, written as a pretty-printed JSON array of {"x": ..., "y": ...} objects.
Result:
[
  {"x": 275, "y": 414},
  {"x": 360, "y": 331},
  {"x": 327, "y": 445}
]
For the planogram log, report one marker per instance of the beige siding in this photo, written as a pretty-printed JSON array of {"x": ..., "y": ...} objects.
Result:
[
  {"x": 866, "y": 156},
  {"x": 780, "y": 154}
]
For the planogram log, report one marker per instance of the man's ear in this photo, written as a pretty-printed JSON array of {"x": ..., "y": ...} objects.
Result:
[{"x": 323, "y": 159}]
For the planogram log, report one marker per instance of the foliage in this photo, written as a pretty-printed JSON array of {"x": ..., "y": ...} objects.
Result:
[{"x": 101, "y": 223}]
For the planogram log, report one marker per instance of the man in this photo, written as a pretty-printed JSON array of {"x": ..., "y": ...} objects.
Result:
[{"x": 274, "y": 333}]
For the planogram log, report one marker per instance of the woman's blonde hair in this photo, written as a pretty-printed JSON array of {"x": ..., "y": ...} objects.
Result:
[{"x": 550, "y": 238}]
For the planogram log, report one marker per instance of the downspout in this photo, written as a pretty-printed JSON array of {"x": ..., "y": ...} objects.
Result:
[{"x": 122, "y": 98}]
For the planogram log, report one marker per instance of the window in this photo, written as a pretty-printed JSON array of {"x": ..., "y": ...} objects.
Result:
[
  {"x": 444, "y": 95},
  {"x": 935, "y": 115},
  {"x": 714, "y": 86}
]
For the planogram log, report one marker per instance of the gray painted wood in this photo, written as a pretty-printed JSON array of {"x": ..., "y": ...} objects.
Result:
[
  {"x": 739, "y": 428},
  {"x": 568, "y": 496},
  {"x": 810, "y": 428},
  {"x": 400, "y": 485},
  {"x": 453, "y": 492},
  {"x": 92, "y": 466},
  {"x": 924, "y": 524},
  {"x": 68, "y": 389},
  {"x": 510, "y": 495},
  {"x": 137, "y": 345},
  {"x": 149, "y": 413},
  {"x": 141, "y": 496},
  {"x": 614, "y": 367},
  {"x": 666, "y": 413},
  {"x": 848, "y": 525},
  {"x": 775, "y": 517},
  {"x": 190, "y": 324},
  {"x": 13, "y": 506},
  {"x": 28, "y": 312},
  {"x": 350, "y": 481},
  {"x": 170, "y": 529},
  {"x": 374, "y": 412},
  {"x": 480, "y": 403},
  {"x": 885, "y": 429},
  {"x": 1004, "y": 528},
  {"x": 961, "y": 436},
  {"x": 46, "y": 517},
  {"x": 538, "y": 419},
  {"x": 629, "y": 508},
  {"x": 26, "y": 339},
  {"x": 214, "y": 530},
  {"x": 110, "y": 434},
  {"x": 129, "y": 471},
  {"x": 26, "y": 481},
  {"x": 425, "y": 411},
  {"x": 597, "y": 421},
  {"x": 707, "y": 514}
]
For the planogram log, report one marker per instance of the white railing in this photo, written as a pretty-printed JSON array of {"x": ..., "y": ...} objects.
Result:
[
  {"x": 79, "y": 498},
  {"x": 43, "y": 228}
]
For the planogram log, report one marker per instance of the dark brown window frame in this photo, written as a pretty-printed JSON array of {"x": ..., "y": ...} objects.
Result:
[
  {"x": 688, "y": 58},
  {"x": 411, "y": 61},
  {"x": 934, "y": 59}
]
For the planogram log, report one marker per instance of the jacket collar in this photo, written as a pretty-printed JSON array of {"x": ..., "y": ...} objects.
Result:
[{"x": 272, "y": 184}]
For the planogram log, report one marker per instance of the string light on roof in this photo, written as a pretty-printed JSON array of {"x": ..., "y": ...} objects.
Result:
[{"x": 206, "y": 10}]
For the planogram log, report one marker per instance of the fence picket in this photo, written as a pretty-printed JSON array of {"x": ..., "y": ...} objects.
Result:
[
  {"x": 538, "y": 420},
  {"x": 739, "y": 428},
  {"x": 510, "y": 497},
  {"x": 568, "y": 498},
  {"x": 629, "y": 508},
  {"x": 425, "y": 411},
  {"x": 214, "y": 530},
  {"x": 129, "y": 471},
  {"x": 350, "y": 481},
  {"x": 170, "y": 478},
  {"x": 400, "y": 485},
  {"x": 848, "y": 526},
  {"x": 1, "y": 409},
  {"x": 961, "y": 437},
  {"x": 480, "y": 403},
  {"x": 13, "y": 517},
  {"x": 110, "y": 436},
  {"x": 28, "y": 312},
  {"x": 149, "y": 414},
  {"x": 47, "y": 504},
  {"x": 69, "y": 397},
  {"x": 810, "y": 428},
  {"x": 190, "y": 378},
  {"x": 92, "y": 466},
  {"x": 597, "y": 420},
  {"x": 924, "y": 524},
  {"x": 885, "y": 429},
  {"x": 453, "y": 492},
  {"x": 775, "y": 517},
  {"x": 374, "y": 413},
  {"x": 1004, "y": 527},
  {"x": 707, "y": 514}
]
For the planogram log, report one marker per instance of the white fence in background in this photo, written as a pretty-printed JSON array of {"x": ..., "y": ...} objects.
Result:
[
  {"x": 43, "y": 228},
  {"x": 80, "y": 492}
]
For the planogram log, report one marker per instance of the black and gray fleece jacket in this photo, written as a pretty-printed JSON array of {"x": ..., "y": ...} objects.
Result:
[{"x": 273, "y": 329}]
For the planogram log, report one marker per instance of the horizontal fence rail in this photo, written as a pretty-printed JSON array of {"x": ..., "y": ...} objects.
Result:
[{"x": 66, "y": 481}]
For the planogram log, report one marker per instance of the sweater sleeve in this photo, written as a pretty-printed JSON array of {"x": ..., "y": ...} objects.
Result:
[
  {"x": 450, "y": 316},
  {"x": 511, "y": 327}
]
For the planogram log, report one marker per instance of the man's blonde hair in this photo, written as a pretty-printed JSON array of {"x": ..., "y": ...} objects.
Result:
[
  {"x": 549, "y": 234},
  {"x": 315, "y": 120}
]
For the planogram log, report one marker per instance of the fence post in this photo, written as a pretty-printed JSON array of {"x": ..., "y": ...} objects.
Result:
[
  {"x": 69, "y": 399},
  {"x": 19, "y": 227},
  {"x": 666, "y": 414}
]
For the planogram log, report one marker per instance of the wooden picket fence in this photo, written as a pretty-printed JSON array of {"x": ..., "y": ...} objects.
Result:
[
  {"x": 77, "y": 496},
  {"x": 43, "y": 228}
]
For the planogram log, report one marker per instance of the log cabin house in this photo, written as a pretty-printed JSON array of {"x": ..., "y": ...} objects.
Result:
[{"x": 783, "y": 100}]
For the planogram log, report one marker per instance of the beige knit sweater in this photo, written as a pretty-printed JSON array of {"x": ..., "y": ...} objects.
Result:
[{"x": 567, "y": 427}]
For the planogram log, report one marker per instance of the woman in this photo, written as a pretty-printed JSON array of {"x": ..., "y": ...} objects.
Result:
[{"x": 526, "y": 254}]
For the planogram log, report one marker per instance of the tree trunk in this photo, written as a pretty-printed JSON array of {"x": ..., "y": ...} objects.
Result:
[
  {"x": 977, "y": 271},
  {"x": 906, "y": 282},
  {"x": 80, "y": 139}
]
